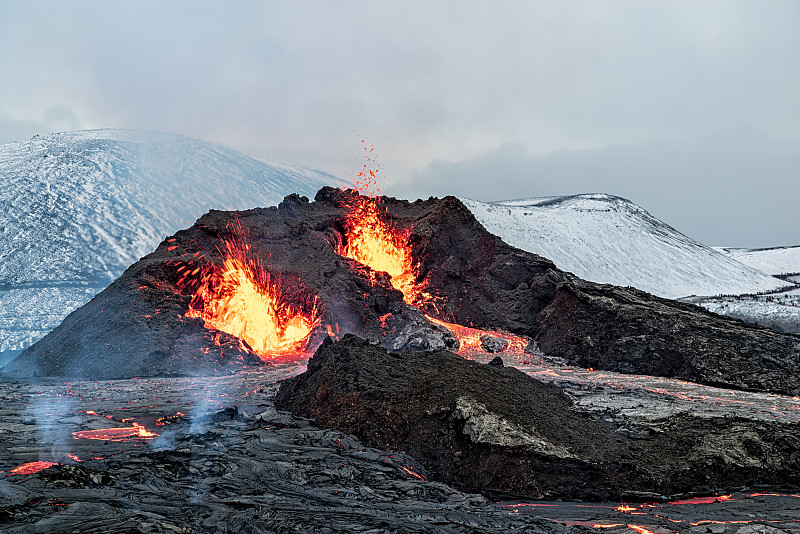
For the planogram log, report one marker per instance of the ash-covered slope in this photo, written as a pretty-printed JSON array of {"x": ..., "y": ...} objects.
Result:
[
  {"x": 77, "y": 208},
  {"x": 610, "y": 240},
  {"x": 466, "y": 276},
  {"x": 774, "y": 260}
]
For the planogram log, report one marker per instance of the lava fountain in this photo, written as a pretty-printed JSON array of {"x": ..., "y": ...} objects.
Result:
[
  {"x": 371, "y": 239},
  {"x": 376, "y": 243},
  {"x": 243, "y": 299}
]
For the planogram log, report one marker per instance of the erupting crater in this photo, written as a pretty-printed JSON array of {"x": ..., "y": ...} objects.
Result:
[
  {"x": 242, "y": 289},
  {"x": 241, "y": 298}
]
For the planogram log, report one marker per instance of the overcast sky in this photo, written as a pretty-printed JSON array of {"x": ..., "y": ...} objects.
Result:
[{"x": 689, "y": 108}]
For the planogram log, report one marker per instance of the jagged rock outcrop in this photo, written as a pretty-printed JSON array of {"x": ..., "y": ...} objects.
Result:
[
  {"x": 495, "y": 430},
  {"x": 138, "y": 326}
]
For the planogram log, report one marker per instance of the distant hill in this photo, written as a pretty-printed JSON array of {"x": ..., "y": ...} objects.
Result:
[
  {"x": 775, "y": 260},
  {"x": 78, "y": 208},
  {"x": 608, "y": 239}
]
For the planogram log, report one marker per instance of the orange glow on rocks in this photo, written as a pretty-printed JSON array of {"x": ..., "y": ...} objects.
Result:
[
  {"x": 471, "y": 345},
  {"x": 31, "y": 467},
  {"x": 242, "y": 299},
  {"x": 625, "y": 508},
  {"x": 116, "y": 434}
]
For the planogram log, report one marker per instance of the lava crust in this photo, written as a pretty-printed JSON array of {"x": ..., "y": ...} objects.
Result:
[
  {"x": 495, "y": 430},
  {"x": 465, "y": 275}
]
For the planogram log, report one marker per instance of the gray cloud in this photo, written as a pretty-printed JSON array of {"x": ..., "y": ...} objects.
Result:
[
  {"x": 56, "y": 119},
  {"x": 422, "y": 81}
]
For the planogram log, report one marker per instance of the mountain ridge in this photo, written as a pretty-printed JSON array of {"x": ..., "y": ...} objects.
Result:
[{"x": 599, "y": 237}]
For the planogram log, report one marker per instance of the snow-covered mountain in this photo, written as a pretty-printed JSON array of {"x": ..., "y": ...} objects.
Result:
[
  {"x": 608, "y": 239},
  {"x": 775, "y": 260},
  {"x": 77, "y": 208}
]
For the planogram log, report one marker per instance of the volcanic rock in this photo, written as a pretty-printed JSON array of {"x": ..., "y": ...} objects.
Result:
[
  {"x": 493, "y": 344},
  {"x": 500, "y": 432},
  {"x": 255, "y": 470},
  {"x": 465, "y": 275}
]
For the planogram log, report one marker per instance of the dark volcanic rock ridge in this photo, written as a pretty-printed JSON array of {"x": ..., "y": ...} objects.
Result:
[
  {"x": 138, "y": 326},
  {"x": 495, "y": 430}
]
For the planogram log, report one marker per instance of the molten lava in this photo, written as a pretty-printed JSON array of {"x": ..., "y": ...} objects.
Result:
[
  {"x": 371, "y": 240},
  {"x": 31, "y": 467},
  {"x": 116, "y": 434},
  {"x": 242, "y": 299},
  {"x": 470, "y": 344}
]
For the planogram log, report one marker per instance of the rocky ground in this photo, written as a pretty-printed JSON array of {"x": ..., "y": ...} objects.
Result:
[
  {"x": 250, "y": 468},
  {"x": 244, "y": 469},
  {"x": 495, "y": 430}
]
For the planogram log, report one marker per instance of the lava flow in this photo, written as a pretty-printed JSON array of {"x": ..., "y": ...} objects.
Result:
[
  {"x": 30, "y": 468},
  {"x": 471, "y": 342},
  {"x": 116, "y": 434},
  {"x": 242, "y": 299}
]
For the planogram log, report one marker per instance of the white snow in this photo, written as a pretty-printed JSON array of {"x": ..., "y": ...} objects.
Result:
[
  {"x": 608, "y": 239},
  {"x": 779, "y": 311},
  {"x": 777, "y": 260},
  {"x": 78, "y": 208}
]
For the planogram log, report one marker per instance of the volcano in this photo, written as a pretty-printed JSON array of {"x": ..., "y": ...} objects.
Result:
[{"x": 403, "y": 275}]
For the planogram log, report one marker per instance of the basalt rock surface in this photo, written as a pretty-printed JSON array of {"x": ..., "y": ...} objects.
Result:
[
  {"x": 243, "y": 469},
  {"x": 138, "y": 325},
  {"x": 495, "y": 430}
]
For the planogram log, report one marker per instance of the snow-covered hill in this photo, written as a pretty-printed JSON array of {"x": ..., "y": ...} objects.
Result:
[
  {"x": 608, "y": 239},
  {"x": 776, "y": 260},
  {"x": 77, "y": 208}
]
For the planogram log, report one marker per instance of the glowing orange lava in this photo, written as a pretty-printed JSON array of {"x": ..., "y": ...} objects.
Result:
[
  {"x": 470, "y": 344},
  {"x": 371, "y": 239},
  {"x": 625, "y": 508},
  {"x": 116, "y": 434},
  {"x": 375, "y": 243},
  {"x": 31, "y": 467},
  {"x": 642, "y": 530},
  {"x": 703, "y": 500},
  {"x": 243, "y": 299}
]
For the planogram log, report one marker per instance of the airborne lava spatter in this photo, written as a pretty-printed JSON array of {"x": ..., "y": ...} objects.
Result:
[
  {"x": 371, "y": 239},
  {"x": 242, "y": 299}
]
